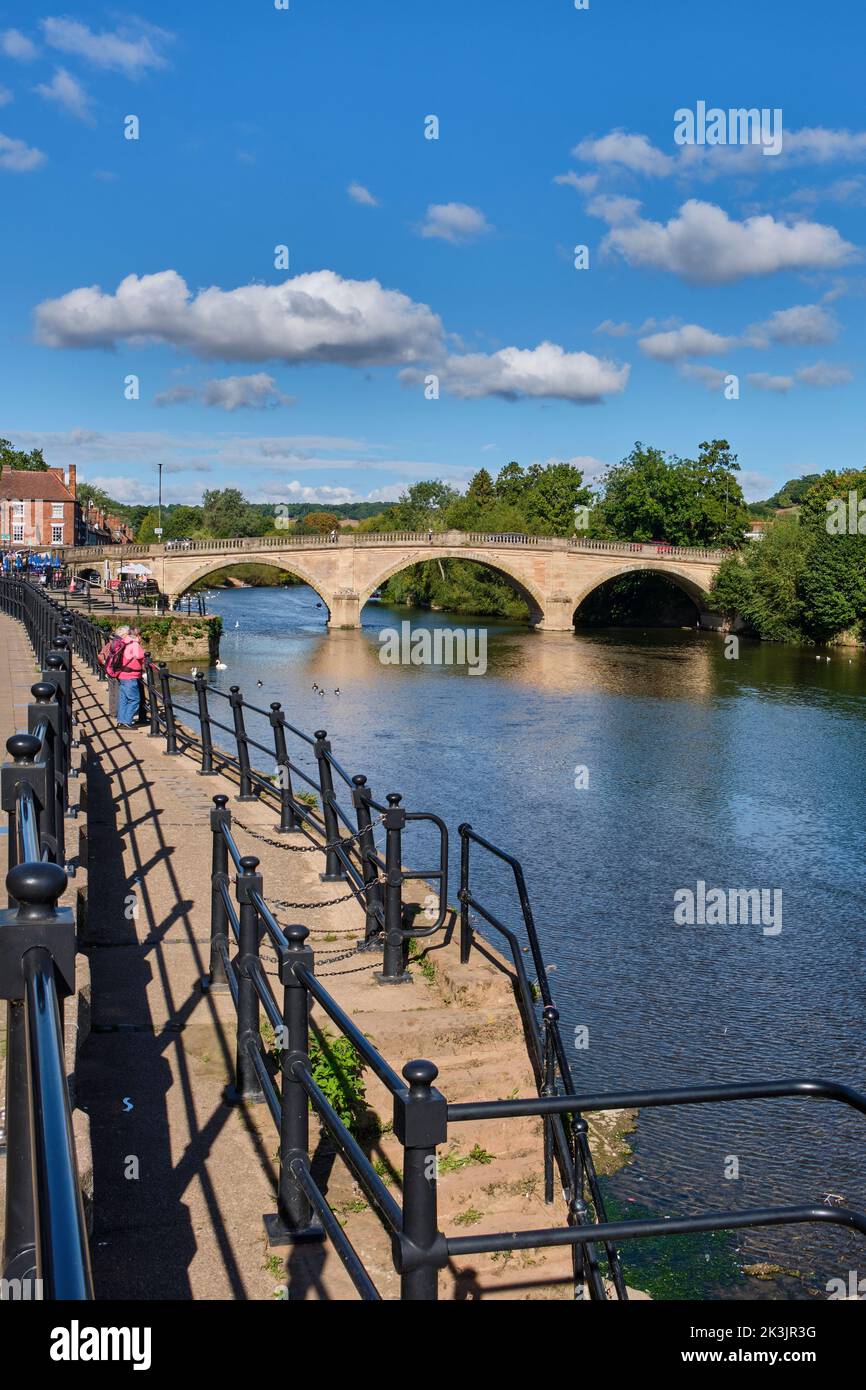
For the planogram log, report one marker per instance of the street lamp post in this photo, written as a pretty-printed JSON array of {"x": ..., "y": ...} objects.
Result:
[{"x": 158, "y": 527}]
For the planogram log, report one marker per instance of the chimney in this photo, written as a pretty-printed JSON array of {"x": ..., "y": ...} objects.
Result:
[{"x": 70, "y": 481}]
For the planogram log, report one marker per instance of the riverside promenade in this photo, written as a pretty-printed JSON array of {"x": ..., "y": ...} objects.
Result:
[{"x": 181, "y": 1179}]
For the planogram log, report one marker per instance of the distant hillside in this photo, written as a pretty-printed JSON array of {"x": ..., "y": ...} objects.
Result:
[{"x": 788, "y": 496}]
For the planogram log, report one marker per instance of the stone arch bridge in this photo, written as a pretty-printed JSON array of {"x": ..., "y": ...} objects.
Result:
[{"x": 553, "y": 575}]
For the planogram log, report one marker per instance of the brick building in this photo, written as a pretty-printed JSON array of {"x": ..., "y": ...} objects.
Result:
[{"x": 38, "y": 509}]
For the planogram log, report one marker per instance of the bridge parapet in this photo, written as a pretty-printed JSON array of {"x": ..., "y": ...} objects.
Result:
[{"x": 244, "y": 545}]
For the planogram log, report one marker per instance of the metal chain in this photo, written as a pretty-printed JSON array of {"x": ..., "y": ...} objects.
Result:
[
  {"x": 330, "y": 902},
  {"x": 306, "y": 849},
  {"x": 332, "y": 960}
]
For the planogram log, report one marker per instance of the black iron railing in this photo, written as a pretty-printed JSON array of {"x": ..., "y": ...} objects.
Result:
[
  {"x": 318, "y": 801},
  {"x": 45, "y": 1251}
]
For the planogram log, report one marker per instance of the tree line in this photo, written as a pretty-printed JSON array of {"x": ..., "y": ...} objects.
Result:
[{"x": 804, "y": 581}]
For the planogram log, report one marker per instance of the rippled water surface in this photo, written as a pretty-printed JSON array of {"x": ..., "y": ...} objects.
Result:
[{"x": 741, "y": 773}]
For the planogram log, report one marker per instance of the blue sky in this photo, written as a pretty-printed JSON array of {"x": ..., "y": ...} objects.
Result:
[{"x": 411, "y": 257}]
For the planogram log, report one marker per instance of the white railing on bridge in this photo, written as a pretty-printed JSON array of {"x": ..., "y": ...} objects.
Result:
[{"x": 452, "y": 539}]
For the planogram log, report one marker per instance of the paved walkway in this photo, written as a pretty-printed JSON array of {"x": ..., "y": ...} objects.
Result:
[{"x": 18, "y": 671}]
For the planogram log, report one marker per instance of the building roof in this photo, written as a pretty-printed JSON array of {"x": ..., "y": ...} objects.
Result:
[{"x": 22, "y": 485}]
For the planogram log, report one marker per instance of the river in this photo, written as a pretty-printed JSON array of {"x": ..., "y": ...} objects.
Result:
[{"x": 740, "y": 773}]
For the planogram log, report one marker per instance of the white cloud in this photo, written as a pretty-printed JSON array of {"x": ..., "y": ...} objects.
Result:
[
  {"x": 713, "y": 378},
  {"x": 255, "y": 392},
  {"x": 129, "y": 49},
  {"x": 454, "y": 222},
  {"x": 614, "y": 330},
  {"x": 359, "y": 194},
  {"x": 703, "y": 245},
  {"x": 763, "y": 381},
  {"x": 544, "y": 371},
  {"x": 392, "y": 493},
  {"x": 824, "y": 374},
  {"x": 756, "y": 485},
  {"x": 817, "y": 145},
  {"x": 584, "y": 183},
  {"x": 6, "y": 96},
  {"x": 689, "y": 341},
  {"x": 16, "y": 45},
  {"x": 197, "y": 452},
  {"x": 613, "y": 208},
  {"x": 68, "y": 92},
  {"x": 814, "y": 145},
  {"x": 317, "y": 317},
  {"x": 800, "y": 326},
  {"x": 634, "y": 152},
  {"x": 18, "y": 158}
]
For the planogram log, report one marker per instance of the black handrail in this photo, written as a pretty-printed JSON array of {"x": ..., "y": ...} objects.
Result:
[
  {"x": 420, "y": 1115},
  {"x": 45, "y": 1230},
  {"x": 572, "y": 1150}
]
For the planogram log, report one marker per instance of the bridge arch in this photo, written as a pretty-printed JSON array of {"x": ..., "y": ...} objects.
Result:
[
  {"x": 526, "y": 588},
  {"x": 276, "y": 561},
  {"x": 689, "y": 586}
]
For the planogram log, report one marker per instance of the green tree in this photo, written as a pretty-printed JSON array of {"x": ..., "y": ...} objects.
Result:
[
  {"x": 553, "y": 493},
  {"x": 86, "y": 493},
  {"x": 181, "y": 522},
  {"x": 226, "y": 513},
  {"x": 638, "y": 496},
  {"x": 421, "y": 507},
  {"x": 652, "y": 496},
  {"x": 763, "y": 585},
  {"x": 32, "y": 462},
  {"x": 481, "y": 490},
  {"x": 146, "y": 533},
  {"x": 511, "y": 483}
]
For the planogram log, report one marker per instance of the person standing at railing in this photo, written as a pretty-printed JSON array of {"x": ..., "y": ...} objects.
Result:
[
  {"x": 130, "y": 668},
  {"x": 108, "y": 658}
]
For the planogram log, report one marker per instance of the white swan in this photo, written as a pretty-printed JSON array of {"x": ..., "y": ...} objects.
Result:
[{"x": 221, "y": 666}]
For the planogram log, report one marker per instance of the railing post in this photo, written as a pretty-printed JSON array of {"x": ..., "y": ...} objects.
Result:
[
  {"x": 57, "y": 671},
  {"x": 421, "y": 1125},
  {"x": 293, "y": 1220},
  {"x": 247, "y": 1087},
  {"x": 23, "y": 749},
  {"x": 333, "y": 872},
  {"x": 394, "y": 970},
  {"x": 550, "y": 1018},
  {"x": 290, "y": 821},
  {"x": 45, "y": 711},
  {"x": 206, "y": 769},
  {"x": 168, "y": 711},
  {"x": 152, "y": 697},
  {"x": 465, "y": 920},
  {"x": 373, "y": 926},
  {"x": 220, "y": 816},
  {"x": 236, "y": 700},
  {"x": 34, "y": 920}
]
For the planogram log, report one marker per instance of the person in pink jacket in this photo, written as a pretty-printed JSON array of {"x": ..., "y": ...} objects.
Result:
[{"x": 128, "y": 668}]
